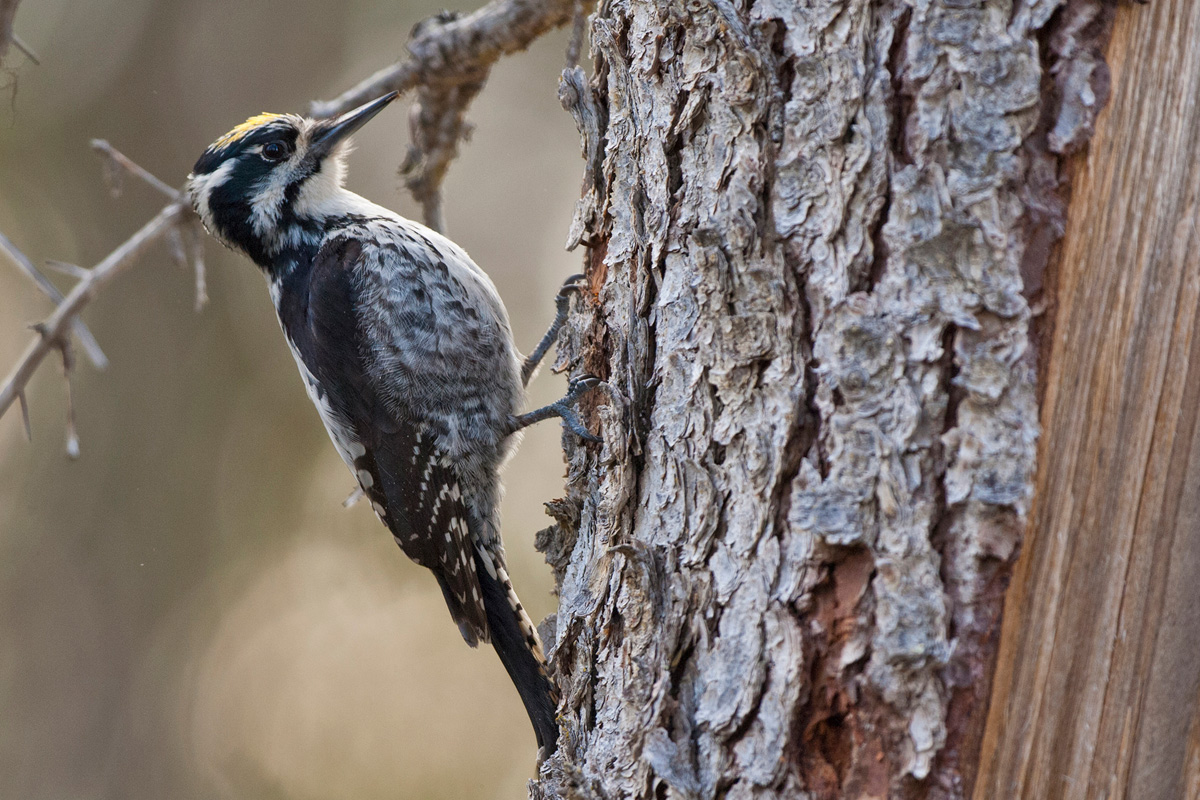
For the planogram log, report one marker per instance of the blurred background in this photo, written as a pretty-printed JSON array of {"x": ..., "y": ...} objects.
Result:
[{"x": 187, "y": 611}]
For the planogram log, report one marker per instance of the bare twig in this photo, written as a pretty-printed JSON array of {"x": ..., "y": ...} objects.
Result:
[
  {"x": 26, "y": 49},
  {"x": 194, "y": 239},
  {"x": 186, "y": 241},
  {"x": 175, "y": 245},
  {"x": 187, "y": 248},
  {"x": 25, "y": 416},
  {"x": 68, "y": 362},
  {"x": 8, "y": 11},
  {"x": 54, "y": 329},
  {"x": 74, "y": 270},
  {"x": 90, "y": 345},
  {"x": 115, "y": 161},
  {"x": 578, "y": 29},
  {"x": 437, "y": 123},
  {"x": 176, "y": 222}
]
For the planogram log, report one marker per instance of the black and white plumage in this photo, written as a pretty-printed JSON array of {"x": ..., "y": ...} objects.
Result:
[{"x": 406, "y": 351}]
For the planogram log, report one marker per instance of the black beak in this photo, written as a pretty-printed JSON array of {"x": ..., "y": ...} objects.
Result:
[{"x": 331, "y": 132}]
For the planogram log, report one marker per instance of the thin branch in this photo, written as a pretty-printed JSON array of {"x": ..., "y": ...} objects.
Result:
[
  {"x": 25, "y": 416},
  {"x": 186, "y": 241},
  {"x": 26, "y": 49},
  {"x": 195, "y": 240},
  {"x": 578, "y": 30},
  {"x": 54, "y": 329},
  {"x": 451, "y": 57},
  {"x": 437, "y": 123},
  {"x": 68, "y": 363},
  {"x": 73, "y": 270},
  {"x": 90, "y": 345},
  {"x": 176, "y": 222},
  {"x": 187, "y": 249},
  {"x": 8, "y": 11},
  {"x": 175, "y": 245},
  {"x": 115, "y": 161}
]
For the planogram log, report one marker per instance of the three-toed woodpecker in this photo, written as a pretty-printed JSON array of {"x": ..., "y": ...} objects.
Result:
[{"x": 405, "y": 348}]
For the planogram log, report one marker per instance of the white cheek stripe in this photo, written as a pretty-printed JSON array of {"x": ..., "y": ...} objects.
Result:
[
  {"x": 267, "y": 203},
  {"x": 201, "y": 187}
]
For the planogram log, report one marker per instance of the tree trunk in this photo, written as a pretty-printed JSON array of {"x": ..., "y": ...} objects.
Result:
[{"x": 815, "y": 233}]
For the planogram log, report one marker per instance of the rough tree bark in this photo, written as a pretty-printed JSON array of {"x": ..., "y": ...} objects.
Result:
[{"x": 816, "y": 235}]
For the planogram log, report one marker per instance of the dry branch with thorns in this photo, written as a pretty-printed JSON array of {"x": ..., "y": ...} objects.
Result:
[{"x": 54, "y": 332}]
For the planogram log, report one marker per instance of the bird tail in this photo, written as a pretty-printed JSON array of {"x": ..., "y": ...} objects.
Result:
[
  {"x": 516, "y": 641},
  {"x": 470, "y": 618}
]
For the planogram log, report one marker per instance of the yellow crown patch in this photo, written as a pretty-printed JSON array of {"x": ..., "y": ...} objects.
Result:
[{"x": 245, "y": 128}]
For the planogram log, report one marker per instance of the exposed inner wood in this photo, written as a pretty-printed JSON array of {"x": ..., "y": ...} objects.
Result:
[{"x": 1097, "y": 686}]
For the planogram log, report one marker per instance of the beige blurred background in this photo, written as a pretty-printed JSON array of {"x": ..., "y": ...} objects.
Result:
[{"x": 187, "y": 611}]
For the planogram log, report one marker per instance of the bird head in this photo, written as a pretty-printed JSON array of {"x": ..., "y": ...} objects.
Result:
[{"x": 268, "y": 184}]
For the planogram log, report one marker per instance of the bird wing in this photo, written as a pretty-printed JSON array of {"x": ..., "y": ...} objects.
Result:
[
  {"x": 438, "y": 340},
  {"x": 406, "y": 473}
]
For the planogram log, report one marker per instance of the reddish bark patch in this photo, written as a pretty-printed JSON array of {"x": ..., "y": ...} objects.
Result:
[{"x": 833, "y": 740}]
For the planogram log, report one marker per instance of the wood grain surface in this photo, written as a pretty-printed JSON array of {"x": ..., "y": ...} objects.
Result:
[{"x": 1095, "y": 694}]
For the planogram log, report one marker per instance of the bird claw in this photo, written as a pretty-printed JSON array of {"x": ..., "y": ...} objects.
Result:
[
  {"x": 576, "y": 389},
  {"x": 562, "y": 306},
  {"x": 563, "y": 409},
  {"x": 572, "y": 423},
  {"x": 574, "y": 283},
  {"x": 580, "y": 386}
]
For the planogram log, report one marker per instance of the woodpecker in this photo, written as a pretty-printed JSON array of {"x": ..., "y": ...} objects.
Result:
[{"x": 405, "y": 348}]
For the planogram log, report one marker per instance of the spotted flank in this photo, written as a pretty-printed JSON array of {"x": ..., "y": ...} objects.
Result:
[{"x": 246, "y": 127}]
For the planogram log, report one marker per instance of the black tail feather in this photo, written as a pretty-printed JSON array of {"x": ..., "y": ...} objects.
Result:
[{"x": 525, "y": 665}]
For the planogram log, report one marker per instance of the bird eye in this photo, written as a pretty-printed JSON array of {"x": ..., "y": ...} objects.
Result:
[{"x": 274, "y": 151}]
